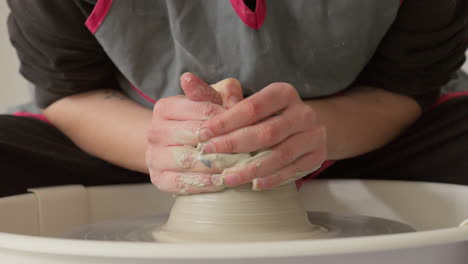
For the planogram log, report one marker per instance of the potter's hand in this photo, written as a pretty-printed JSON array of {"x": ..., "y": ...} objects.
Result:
[
  {"x": 171, "y": 155},
  {"x": 226, "y": 92},
  {"x": 274, "y": 118}
]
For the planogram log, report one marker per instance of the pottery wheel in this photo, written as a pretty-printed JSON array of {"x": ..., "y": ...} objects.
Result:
[
  {"x": 334, "y": 225},
  {"x": 240, "y": 215}
]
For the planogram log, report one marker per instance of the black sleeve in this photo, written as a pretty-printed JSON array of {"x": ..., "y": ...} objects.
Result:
[
  {"x": 57, "y": 52},
  {"x": 422, "y": 50}
]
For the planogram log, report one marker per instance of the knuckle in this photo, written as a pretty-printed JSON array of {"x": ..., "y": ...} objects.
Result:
[
  {"x": 226, "y": 145},
  {"x": 195, "y": 128},
  {"x": 185, "y": 160},
  {"x": 286, "y": 89},
  {"x": 252, "y": 109},
  {"x": 249, "y": 173},
  {"x": 154, "y": 136},
  {"x": 276, "y": 88},
  {"x": 308, "y": 115},
  {"x": 219, "y": 125},
  {"x": 285, "y": 156},
  {"x": 269, "y": 135},
  {"x": 208, "y": 109},
  {"x": 307, "y": 119},
  {"x": 253, "y": 171},
  {"x": 161, "y": 105}
]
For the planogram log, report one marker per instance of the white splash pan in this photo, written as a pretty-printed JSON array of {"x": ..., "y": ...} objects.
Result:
[{"x": 31, "y": 224}]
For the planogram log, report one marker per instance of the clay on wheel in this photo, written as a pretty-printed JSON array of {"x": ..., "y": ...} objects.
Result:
[{"x": 239, "y": 214}]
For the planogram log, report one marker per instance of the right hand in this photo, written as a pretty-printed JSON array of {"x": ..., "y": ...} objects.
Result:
[{"x": 172, "y": 138}]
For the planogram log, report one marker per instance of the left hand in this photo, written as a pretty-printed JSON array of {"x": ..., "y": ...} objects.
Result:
[
  {"x": 274, "y": 118},
  {"x": 172, "y": 160}
]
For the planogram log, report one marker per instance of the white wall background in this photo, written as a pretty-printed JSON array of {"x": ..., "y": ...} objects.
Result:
[{"x": 12, "y": 86}]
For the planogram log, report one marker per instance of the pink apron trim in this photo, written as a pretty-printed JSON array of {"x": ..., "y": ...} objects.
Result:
[
  {"x": 33, "y": 115},
  {"x": 142, "y": 94},
  {"x": 448, "y": 96},
  {"x": 314, "y": 174},
  {"x": 252, "y": 19},
  {"x": 98, "y": 15}
]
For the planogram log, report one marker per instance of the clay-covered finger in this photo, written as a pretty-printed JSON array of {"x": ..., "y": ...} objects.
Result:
[
  {"x": 190, "y": 159},
  {"x": 198, "y": 90},
  {"x": 298, "y": 169},
  {"x": 279, "y": 157},
  {"x": 268, "y": 101},
  {"x": 184, "y": 183},
  {"x": 183, "y": 159},
  {"x": 264, "y": 134},
  {"x": 182, "y": 108}
]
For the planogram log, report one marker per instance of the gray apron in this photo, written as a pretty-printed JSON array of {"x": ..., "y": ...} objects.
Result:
[{"x": 318, "y": 46}]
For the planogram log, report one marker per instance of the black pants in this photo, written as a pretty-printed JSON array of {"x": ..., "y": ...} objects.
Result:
[{"x": 35, "y": 154}]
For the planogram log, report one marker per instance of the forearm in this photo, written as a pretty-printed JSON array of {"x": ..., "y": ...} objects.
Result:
[
  {"x": 363, "y": 119},
  {"x": 105, "y": 124}
]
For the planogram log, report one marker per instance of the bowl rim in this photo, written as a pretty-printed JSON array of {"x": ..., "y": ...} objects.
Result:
[{"x": 145, "y": 250}]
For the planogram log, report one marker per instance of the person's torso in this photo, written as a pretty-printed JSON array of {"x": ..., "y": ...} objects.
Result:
[{"x": 318, "y": 46}]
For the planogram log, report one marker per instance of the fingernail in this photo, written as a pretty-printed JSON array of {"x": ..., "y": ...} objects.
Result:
[
  {"x": 232, "y": 179},
  {"x": 204, "y": 134},
  {"x": 185, "y": 76},
  {"x": 255, "y": 185},
  {"x": 217, "y": 179},
  {"x": 232, "y": 100},
  {"x": 208, "y": 147}
]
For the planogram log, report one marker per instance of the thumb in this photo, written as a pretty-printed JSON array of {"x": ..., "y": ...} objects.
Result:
[
  {"x": 198, "y": 90},
  {"x": 230, "y": 90}
]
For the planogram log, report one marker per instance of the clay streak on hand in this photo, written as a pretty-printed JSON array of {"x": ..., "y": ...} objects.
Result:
[
  {"x": 183, "y": 157},
  {"x": 206, "y": 162}
]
